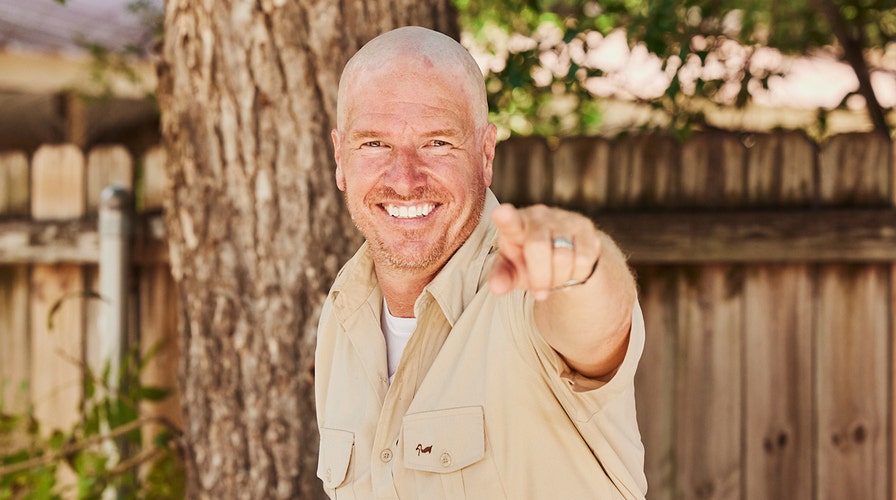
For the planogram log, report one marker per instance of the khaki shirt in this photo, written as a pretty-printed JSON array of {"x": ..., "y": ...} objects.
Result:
[{"x": 480, "y": 408}]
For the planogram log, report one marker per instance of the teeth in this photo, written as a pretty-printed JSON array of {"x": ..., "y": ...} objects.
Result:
[{"x": 405, "y": 212}]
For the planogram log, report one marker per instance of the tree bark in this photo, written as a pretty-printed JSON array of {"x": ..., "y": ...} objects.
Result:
[
  {"x": 257, "y": 229},
  {"x": 852, "y": 41}
]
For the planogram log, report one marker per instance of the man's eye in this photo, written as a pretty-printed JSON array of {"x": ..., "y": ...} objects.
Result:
[
  {"x": 439, "y": 143},
  {"x": 373, "y": 144}
]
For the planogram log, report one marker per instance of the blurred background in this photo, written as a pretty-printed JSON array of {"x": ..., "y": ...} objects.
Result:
[{"x": 740, "y": 152}]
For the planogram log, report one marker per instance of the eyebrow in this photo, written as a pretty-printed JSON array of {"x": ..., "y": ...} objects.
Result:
[
  {"x": 360, "y": 135},
  {"x": 444, "y": 132},
  {"x": 363, "y": 134}
]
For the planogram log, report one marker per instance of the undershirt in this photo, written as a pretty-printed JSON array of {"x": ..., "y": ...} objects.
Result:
[{"x": 397, "y": 332}]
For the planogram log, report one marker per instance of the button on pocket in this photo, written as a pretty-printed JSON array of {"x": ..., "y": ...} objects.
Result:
[
  {"x": 444, "y": 440},
  {"x": 335, "y": 455}
]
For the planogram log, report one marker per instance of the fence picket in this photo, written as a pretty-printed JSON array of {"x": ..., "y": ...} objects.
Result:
[
  {"x": 769, "y": 182},
  {"x": 655, "y": 380},
  {"x": 645, "y": 172},
  {"x": 854, "y": 172},
  {"x": 14, "y": 342},
  {"x": 778, "y": 434},
  {"x": 158, "y": 332},
  {"x": 57, "y": 183},
  {"x": 595, "y": 174},
  {"x": 154, "y": 180},
  {"x": 568, "y": 162},
  {"x": 851, "y": 382},
  {"x": 522, "y": 173},
  {"x": 712, "y": 171},
  {"x": 93, "y": 309},
  {"x": 107, "y": 165},
  {"x": 56, "y": 350},
  {"x": 708, "y": 386},
  {"x": 57, "y": 193},
  {"x": 14, "y": 197}
]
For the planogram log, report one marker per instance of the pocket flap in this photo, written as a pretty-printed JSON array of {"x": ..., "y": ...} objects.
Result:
[
  {"x": 335, "y": 455},
  {"x": 444, "y": 440}
]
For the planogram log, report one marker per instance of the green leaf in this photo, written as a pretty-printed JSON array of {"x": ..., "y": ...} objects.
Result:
[
  {"x": 89, "y": 387},
  {"x": 151, "y": 393},
  {"x": 57, "y": 440},
  {"x": 89, "y": 294}
]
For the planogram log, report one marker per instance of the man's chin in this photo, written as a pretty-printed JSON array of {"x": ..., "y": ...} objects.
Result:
[
  {"x": 409, "y": 259},
  {"x": 410, "y": 262}
]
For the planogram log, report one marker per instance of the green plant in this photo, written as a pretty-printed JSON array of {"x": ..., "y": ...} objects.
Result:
[{"x": 104, "y": 450}]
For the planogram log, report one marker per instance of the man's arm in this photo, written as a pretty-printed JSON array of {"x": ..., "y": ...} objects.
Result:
[{"x": 588, "y": 323}]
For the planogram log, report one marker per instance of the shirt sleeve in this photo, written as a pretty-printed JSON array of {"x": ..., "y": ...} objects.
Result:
[
  {"x": 603, "y": 412},
  {"x": 583, "y": 395}
]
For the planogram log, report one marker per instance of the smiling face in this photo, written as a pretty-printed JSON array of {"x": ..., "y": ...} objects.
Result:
[{"x": 414, "y": 161}]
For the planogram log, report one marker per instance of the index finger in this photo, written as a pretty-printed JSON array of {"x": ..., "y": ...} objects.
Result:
[{"x": 509, "y": 223}]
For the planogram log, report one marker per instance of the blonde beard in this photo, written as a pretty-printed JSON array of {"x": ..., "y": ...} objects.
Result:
[{"x": 440, "y": 252}]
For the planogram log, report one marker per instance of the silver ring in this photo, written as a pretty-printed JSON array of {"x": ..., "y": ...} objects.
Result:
[{"x": 562, "y": 242}]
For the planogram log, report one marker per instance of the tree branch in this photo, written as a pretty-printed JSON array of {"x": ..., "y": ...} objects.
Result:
[
  {"x": 854, "y": 55},
  {"x": 70, "y": 448}
]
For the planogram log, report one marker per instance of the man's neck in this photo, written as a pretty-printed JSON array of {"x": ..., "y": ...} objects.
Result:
[{"x": 401, "y": 288}]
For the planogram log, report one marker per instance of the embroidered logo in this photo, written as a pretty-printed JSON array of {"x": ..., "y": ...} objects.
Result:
[{"x": 421, "y": 449}]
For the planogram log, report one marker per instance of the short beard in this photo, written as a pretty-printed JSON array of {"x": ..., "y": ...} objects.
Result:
[{"x": 439, "y": 253}]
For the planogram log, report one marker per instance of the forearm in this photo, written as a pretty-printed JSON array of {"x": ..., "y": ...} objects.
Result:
[{"x": 589, "y": 324}]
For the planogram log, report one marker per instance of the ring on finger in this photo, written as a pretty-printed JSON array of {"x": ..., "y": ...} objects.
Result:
[{"x": 562, "y": 242}]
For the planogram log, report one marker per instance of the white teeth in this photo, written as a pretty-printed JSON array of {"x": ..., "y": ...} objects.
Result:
[{"x": 405, "y": 212}]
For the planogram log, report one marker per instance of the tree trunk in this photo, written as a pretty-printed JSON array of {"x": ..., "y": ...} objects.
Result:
[{"x": 257, "y": 228}]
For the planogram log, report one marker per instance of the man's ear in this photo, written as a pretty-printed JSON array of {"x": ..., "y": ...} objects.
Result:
[
  {"x": 488, "y": 149},
  {"x": 340, "y": 176}
]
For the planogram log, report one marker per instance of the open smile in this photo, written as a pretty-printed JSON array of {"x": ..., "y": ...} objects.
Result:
[{"x": 409, "y": 211}]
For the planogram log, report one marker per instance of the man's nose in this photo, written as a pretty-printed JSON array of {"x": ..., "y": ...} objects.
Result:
[{"x": 407, "y": 171}]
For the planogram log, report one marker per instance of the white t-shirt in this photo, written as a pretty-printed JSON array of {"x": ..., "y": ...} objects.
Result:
[{"x": 397, "y": 331}]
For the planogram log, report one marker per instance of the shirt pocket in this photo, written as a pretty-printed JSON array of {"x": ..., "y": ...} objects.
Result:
[
  {"x": 444, "y": 441},
  {"x": 336, "y": 448}
]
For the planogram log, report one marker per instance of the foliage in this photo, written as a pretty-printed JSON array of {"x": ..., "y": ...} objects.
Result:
[
  {"x": 542, "y": 78},
  {"x": 104, "y": 450},
  {"x": 108, "y": 64}
]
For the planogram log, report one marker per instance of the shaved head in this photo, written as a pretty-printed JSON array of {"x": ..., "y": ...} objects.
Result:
[{"x": 420, "y": 47}]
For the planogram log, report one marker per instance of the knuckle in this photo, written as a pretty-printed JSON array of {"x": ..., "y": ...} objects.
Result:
[{"x": 584, "y": 261}]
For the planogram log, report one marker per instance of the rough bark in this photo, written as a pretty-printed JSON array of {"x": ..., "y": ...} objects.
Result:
[{"x": 257, "y": 229}]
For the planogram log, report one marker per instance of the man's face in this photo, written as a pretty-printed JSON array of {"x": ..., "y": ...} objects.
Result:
[{"x": 412, "y": 163}]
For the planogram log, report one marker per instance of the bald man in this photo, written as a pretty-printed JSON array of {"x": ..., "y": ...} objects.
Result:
[{"x": 468, "y": 349}]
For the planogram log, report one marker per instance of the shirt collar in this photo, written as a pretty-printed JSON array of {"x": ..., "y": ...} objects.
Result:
[
  {"x": 466, "y": 271},
  {"x": 452, "y": 288}
]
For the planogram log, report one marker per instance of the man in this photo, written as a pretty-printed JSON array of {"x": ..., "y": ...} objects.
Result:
[{"x": 468, "y": 350}]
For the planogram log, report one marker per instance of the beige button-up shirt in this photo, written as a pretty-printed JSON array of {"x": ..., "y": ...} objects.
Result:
[{"x": 481, "y": 407}]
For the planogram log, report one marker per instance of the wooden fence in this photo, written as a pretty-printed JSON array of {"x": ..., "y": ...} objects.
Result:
[
  {"x": 766, "y": 272},
  {"x": 766, "y": 268},
  {"x": 49, "y": 247}
]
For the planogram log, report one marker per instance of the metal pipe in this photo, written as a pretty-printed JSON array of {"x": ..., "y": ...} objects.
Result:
[{"x": 115, "y": 230}]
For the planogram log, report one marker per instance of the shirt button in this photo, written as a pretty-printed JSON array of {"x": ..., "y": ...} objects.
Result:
[
  {"x": 445, "y": 460},
  {"x": 329, "y": 475},
  {"x": 386, "y": 455}
]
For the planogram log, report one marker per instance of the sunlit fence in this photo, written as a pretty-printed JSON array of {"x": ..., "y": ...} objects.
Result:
[
  {"x": 766, "y": 272},
  {"x": 51, "y": 333}
]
